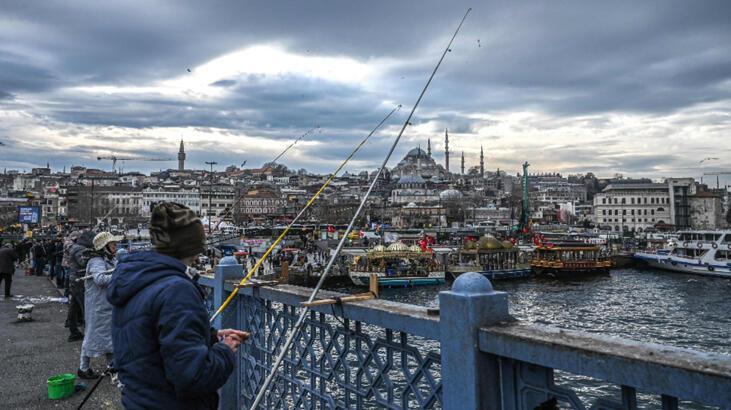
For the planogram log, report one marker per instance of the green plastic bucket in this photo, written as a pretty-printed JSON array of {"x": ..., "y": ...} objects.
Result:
[{"x": 61, "y": 386}]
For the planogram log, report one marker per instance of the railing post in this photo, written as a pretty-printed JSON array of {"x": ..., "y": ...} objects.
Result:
[
  {"x": 227, "y": 268},
  {"x": 470, "y": 378}
]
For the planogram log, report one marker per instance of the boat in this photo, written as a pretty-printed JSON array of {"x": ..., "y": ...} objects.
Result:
[
  {"x": 492, "y": 258},
  {"x": 398, "y": 265},
  {"x": 570, "y": 259},
  {"x": 701, "y": 252}
]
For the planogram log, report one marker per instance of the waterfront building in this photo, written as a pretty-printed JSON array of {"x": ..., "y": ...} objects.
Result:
[
  {"x": 262, "y": 203},
  {"x": 706, "y": 211},
  {"x": 187, "y": 196},
  {"x": 419, "y": 216},
  {"x": 413, "y": 188},
  {"x": 633, "y": 207},
  {"x": 220, "y": 197}
]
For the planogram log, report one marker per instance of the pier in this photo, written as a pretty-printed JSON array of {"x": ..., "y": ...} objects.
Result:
[{"x": 469, "y": 354}]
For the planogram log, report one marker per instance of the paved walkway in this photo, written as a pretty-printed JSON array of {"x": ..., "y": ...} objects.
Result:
[{"x": 33, "y": 351}]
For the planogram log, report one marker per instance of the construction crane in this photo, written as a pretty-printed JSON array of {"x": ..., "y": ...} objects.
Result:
[
  {"x": 718, "y": 185},
  {"x": 115, "y": 158}
]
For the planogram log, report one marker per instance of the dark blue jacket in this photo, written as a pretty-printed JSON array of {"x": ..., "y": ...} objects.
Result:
[{"x": 163, "y": 344}]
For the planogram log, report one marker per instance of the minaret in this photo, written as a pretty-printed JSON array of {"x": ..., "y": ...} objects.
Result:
[
  {"x": 462, "y": 162},
  {"x": 428, "y": 147},
  {"x": 181, "y": 157},
  {"x": 446, "y": 149},
  {"x": 482, "y": 163}
]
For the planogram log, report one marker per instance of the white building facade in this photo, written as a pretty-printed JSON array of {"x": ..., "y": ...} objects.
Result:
[{"x": 633, "y": 207}]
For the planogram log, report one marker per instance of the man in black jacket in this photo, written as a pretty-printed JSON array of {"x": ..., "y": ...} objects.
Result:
[
  {"x": 7, "y": 267},
  {"x": 79, "y": 255}
]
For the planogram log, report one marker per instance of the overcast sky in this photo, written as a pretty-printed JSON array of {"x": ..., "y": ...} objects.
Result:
[{"x": 641, "y": 88}]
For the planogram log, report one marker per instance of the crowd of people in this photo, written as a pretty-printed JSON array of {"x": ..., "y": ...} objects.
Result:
[{"x": 142, "y": 311}]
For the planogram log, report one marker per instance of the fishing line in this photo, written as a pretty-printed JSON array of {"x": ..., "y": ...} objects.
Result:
[
  {"x": 266, "y": 168},
  {"x": 301, "y": 320},
  {"x": 296, "y": 218}
]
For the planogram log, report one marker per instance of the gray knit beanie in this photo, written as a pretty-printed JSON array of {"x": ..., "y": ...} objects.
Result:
[{"x": 175, "y": 230}]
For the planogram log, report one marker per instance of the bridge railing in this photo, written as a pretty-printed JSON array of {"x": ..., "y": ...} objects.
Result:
[{"x": 472, "y": 354}]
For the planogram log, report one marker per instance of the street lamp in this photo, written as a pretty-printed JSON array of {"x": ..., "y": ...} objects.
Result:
[{"x": 210, "y": 194}]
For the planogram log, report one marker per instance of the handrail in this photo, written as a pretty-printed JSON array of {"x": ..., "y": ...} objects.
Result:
[{"x": 649, "y": 367}]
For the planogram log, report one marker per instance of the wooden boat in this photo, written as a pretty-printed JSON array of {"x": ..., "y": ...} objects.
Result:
[
  {"x": 570, "y": 259},
  {"x": 490, "y": 257},
  {"x": 397, "y": 266}
]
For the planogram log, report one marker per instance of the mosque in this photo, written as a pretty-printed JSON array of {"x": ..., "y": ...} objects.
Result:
[{"x": 418, "y": 162}]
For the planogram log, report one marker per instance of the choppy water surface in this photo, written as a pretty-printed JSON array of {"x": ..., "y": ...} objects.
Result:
[
  {"x": 653, "y": 306},
  {"x": 645, "y": 305}
]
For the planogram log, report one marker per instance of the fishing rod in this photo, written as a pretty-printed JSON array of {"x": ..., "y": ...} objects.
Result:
[
  {"x": 301, "y": 320},
  {"x": 296, "y": 218},
  {"x": 271, "y": 163},
  {"x": 311, "y": 130}
]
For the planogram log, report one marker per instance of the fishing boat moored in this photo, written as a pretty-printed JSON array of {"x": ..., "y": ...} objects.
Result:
[
  {"x": 490, "y": 257},
  {"x": 570, "y": 259},
  {"x": 398, "y": 265}
]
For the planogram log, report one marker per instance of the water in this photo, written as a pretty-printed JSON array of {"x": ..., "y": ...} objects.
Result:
[{"x": 646, "y": 305}]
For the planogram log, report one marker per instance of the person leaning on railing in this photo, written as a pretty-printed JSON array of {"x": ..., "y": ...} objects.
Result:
[{"x": 167, "y": 355}]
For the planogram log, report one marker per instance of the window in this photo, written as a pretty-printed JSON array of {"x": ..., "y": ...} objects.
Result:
[
  {"x": 624, "y": 201},
  {"x": 604, "y": 201},
  {"x": 633, "y": 200}
]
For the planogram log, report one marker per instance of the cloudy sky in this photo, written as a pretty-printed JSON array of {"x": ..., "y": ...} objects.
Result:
[{"x": 641, "y": 88}]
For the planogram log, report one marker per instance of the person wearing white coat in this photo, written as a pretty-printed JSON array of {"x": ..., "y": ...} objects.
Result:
[{"x": 97, "y": 310}]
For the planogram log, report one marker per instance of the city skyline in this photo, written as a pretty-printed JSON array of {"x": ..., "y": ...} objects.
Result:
[{"x": 638, "y": 89}]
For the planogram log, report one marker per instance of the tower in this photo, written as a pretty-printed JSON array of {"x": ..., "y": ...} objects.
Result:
[
  {"x": 181, "y": 156},
  {"x": 428, "y": 147},
  {"x": 462, "y": 162},
  {"x": 482, "y": 163},
  {"x": 446, "y": 149}
]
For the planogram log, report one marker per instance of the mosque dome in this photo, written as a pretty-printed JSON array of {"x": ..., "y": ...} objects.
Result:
[
  {"x": 488, "y": 242},
  {"x": 397, "y": 247},
  {"x": 417, "y": 152},
  {"x": 378, "y": 248},
  {"x": 411, "y": 179},
  {"x": 414, "y": 248},
  {"x": 450, "y": 194}
]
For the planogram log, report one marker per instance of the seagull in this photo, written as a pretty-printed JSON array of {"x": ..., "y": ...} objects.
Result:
[
  {"x": 478, "y": 43},
  {"x": 243, "y": 163},
  {"x": 707, "y": 159},
  {"x": 189, "y": 70}
]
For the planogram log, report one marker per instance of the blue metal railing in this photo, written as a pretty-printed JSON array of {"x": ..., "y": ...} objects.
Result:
[{"x": 381, "y": 354}]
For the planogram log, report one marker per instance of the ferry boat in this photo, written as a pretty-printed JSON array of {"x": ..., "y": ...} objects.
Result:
[
  {"x": 398, "y": 265},
  {"x": 490, "y": 257},
  {"x": 699, "y": 252},
  {"x": 570, "y": 259}
]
